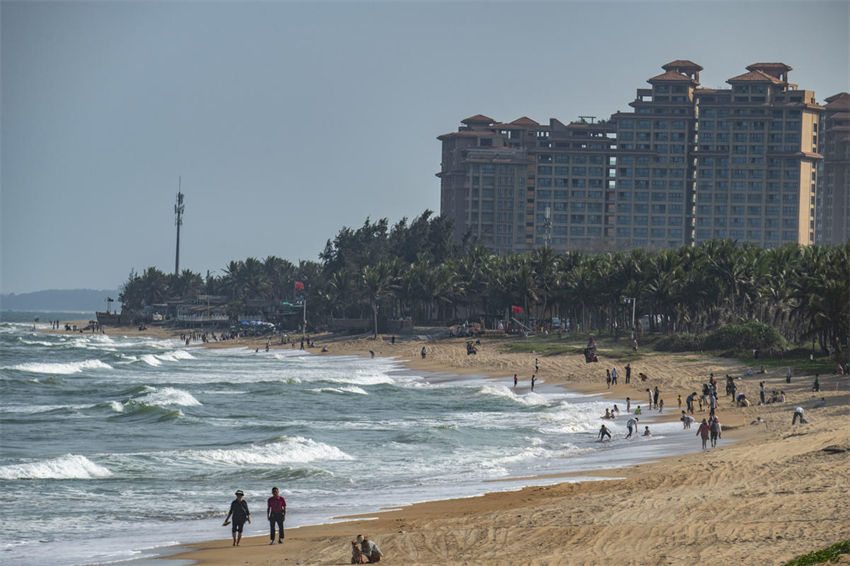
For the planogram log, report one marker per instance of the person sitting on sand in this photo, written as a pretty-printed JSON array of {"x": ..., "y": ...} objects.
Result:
[
  {"x": 370, "y": 550},
  {"x": 356, "y": 556},
  {"x": 603, "y": 432}
]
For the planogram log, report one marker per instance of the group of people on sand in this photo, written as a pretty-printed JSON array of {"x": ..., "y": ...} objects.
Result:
[
  {"x": 365, "y": 551},
  {"x": 239, "y": 514}
]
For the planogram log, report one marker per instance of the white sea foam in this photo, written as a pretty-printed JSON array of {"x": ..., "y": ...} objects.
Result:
[
  {"x": 67, "y": 467},
  {"x": 175, "y": 355},
  {"x": 576, "y": 417},
  {"x": 116, "y": 406},
  {"x": 151, "y": 360},
  {"x": 529, "y": 398},
  {"x": 61, "y": 369},
  {"x": 169, "y": 396},
  {"x": 342, "y": 390},
  {"x": 290, "y": 450}
]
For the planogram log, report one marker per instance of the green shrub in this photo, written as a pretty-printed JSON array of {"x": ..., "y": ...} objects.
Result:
[
  {"x": 831, "y": 554},
  {"x": 743, "y": 337},
  {"x": 685, "y": 342}
]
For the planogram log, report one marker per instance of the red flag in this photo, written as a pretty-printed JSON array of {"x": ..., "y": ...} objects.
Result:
[
  {"x": 516, "y": 309},
  {"x": 299, "y": 285}
]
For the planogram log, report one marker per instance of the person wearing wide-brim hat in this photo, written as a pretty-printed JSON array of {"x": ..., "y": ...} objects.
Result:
[{"x": 239, "y": 512}]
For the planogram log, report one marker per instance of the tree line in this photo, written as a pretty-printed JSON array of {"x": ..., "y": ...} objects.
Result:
[{"x": 412, "y": 270}]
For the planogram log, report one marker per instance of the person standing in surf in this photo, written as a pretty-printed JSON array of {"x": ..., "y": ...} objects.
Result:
[
  {"x": 276, "y": 514},
  {"x": 239, "y": 512}
]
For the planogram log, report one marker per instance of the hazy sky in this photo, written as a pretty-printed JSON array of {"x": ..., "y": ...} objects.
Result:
[{"x": 288, "y": 121}]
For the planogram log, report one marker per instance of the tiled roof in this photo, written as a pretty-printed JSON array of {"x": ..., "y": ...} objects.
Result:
[
  {"x": 524, "y": 121},
  {"x": 755, "y": 77},
  {"x": 771, "y": 66},
  {"x": 681, "y": 64},
  {"x": 468, "y": 133},
  {"x": 838, "y": 101},
  {"x": 478, "y": 118},
  {"x": 670, "y": 76}
]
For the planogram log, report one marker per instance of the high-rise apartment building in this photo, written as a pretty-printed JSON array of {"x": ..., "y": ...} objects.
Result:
[
  {"x": 833, "y": 221},
  {"x": 686, "y": 165}
]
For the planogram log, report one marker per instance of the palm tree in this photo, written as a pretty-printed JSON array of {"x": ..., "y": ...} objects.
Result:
[{"x": 377, "y": 281}]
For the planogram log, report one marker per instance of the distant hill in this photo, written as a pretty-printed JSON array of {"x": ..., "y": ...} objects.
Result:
[{"x": 60, "y": 300}]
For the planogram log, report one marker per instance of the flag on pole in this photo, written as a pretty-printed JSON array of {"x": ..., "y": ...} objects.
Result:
[
  {"x": 516, "y": 309},
  {"x": 299, "y": 285}
]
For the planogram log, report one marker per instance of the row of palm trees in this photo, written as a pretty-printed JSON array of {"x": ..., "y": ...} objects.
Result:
[{"x": 804, "y": 292}]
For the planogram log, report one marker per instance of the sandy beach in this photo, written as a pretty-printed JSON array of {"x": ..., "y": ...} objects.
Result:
[{"x": 777, "y": 492}]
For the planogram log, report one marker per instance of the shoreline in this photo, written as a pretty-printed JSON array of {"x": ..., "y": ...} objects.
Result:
[{"x": 666, "y": 511}]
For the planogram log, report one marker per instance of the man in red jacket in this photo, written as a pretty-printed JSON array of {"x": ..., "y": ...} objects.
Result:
[{"x": 276, "y": 513}]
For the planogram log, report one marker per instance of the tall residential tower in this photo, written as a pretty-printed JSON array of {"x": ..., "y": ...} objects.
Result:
[{"x": 686, "y": 165}]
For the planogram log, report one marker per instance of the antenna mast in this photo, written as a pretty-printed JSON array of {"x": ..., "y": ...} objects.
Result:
[{"x": 178, "y": 213}]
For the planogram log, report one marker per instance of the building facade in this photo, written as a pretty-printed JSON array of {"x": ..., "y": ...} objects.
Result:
[
  {"x": 686, "y": 165},
  {"x": 833, "y": 196}
]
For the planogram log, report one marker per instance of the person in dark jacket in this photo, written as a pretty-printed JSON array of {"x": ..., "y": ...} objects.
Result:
[{"x": 240, "y": 513}]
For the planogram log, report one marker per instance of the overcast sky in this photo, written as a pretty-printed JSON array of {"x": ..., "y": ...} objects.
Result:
[{"x": 287, "y": 121}]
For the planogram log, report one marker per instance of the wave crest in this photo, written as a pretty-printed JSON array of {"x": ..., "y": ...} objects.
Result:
[
  {"x": 67, "y": 467},
  {"x": 61, "y": 369}
]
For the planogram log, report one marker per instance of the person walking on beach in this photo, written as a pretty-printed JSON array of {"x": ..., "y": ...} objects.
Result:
[
  {"x": 239, "y": 512},
  {"x": 608, "y": 377},
  {"x": 702, "y": 432},
  {"x": 614, "y": 376},
  {"x": 423, "y": 352},
  {"x": 533, "y": 380},
  {"x": 536, "y": 366},
  {"x": 761, "y": 392},
  {"x": 714, "y": 430},
  {"x": 788, "y": 375},
  {"x": 276, "y": 514},
  {"x": 628, "y": 373},
  {"x": 656, "y": 397},
  {"x": 515, "y": 381}
]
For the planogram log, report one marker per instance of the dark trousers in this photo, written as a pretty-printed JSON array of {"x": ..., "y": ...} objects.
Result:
[{"x": 276, "y": 519}]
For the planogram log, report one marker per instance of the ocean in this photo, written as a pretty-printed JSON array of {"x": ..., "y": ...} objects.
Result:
[{"x": 113, "y": 449}]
